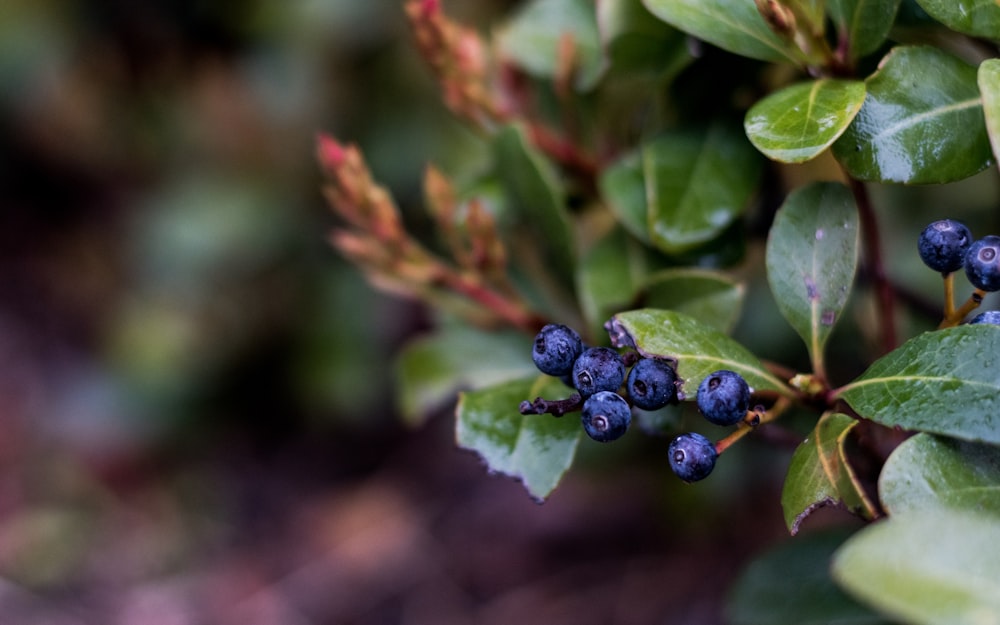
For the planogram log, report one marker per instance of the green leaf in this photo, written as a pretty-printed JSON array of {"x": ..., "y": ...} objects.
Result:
[
  {"x": 430, "y": 370},
  {"x": 944, "y": 382},
  {"x": 710, "y": 296},
  {"x": 979, "y": 18},
  {"x": 733, "y": 25},
  {"x": 609, "y": 276},
  {"x": 931, "y": 471},
  {"x": 988, "y": 78},
  {"x": 636, "y": 41},
  {"x": 812, "y": 255},
  {"x": 799, "y": 122},
  {"x": 533, "y": 37},
  {"x": 922, "y": 121},
  {"x": 624, "y": 188},
  {"x": 933, "y": 567},
  {"x": 820, "y": 475},
  {"x": 812, "y": 13},
  {"x": 792, "y": 585},
  {"x": 536, "y": 222},
  {"x": 697, "y": 183},
  {"x": 537, "y": 449},
  {"x": 698, "y": 348},
  {"x": 863, "y": 23}
]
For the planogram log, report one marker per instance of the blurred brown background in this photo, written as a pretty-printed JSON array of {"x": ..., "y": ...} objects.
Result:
[{"x": 195, "y": 426}]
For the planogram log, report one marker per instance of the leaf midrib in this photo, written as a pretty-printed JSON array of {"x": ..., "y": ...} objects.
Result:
[
  {"x": 915, "y": 378},
  {"x": 919, "y": 118}
]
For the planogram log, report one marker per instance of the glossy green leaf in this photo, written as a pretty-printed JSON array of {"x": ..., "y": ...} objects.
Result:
[
  {"x": 536, "y": 221},
  {"x": 430, "y": 370},
  {"x": 610, "y": 275},
  {"x": 710, "y": 296},
  {"x": 812, "y": 256},
  {"x": 533, "y": 37},
  {"x": 536, "y": 449},
  {"x": 944, "y": 382},
  {"x": 697, "y": 183},
  {"x": 636, "y": 41},
  {"x": 989, "y": 86},
  {"x": 820, "y": 475},
  {"x": 698, "y": 348},
  {"x": 979, "y": 18},
  {"x": 799, "y": 122},
  {"x": 792, "y": 585},
  {"x": 931, "y": 567},
  {"x": 863, "y": 23},
  {"x": 733, "y": 25},
  {"x": 623, "y": 186},
  {"x": 928, "y": 471},
  {"x": 922, "y": 121}
]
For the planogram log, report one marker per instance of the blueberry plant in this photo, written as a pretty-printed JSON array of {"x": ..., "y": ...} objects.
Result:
[{"x": 643, "y": 170}]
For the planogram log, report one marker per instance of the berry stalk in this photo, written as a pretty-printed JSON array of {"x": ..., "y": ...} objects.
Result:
[
  {"x": 554, "y": 407},
  {"x": 970, "y": 304},
  {"x": 754, "y": 419}
]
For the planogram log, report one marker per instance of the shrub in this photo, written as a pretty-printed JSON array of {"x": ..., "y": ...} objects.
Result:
[{"x": 651, "y": 165}]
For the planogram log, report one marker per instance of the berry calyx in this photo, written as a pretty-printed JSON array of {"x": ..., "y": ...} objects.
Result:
[
  {"x": 556, "y": 348},
  {"x": 605, "y": 416},
  {"x": 991, "y": 317},
  {"x": 943, "y": 244},
  {"x": 692, "y": 456},
  {"x": 652, "y": 384},
  {"x": 724, "y": 397},
  {"x": 598, "y": 369},
  {"x": 982, "y": 263}
]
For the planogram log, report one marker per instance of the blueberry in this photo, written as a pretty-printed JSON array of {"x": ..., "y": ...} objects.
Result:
[
  {"x": 982, "y": 263},
  {"x": 651, "y": 384},
  {"x": 606, "y": 416},
  {"x": 598, "y": 369},
  {"x": 942, "y": 245},
  {"x": 991, "y": 317},
  {"x": 724, "y": 397},
  {"x": 556, "y": 348},
  {"x": 692, "y": 456}
]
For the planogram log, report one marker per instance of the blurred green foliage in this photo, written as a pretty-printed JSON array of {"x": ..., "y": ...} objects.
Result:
[{"x": 158, "y": 171}]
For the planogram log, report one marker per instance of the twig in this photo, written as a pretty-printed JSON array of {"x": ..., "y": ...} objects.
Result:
[{"x": 875, "y": 265}]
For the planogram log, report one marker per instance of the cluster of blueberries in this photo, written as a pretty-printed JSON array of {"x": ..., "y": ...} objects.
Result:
[
  {"x": 947, "y": 245},
  {"x": 599, "y": 373},
  {"x": 610, "y": 384}
]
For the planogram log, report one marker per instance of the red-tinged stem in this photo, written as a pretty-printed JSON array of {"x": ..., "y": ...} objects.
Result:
[
  {"x": 875, "y": 265},
  {"x": 723, "y": 444},
  {"x": 564, "y": 152},
  {"x": 755, "y": 418},
  {"x": 501, "y": 305}
]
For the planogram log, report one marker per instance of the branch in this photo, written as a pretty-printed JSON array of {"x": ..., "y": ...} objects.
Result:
[{"x": 875, "y": 266}]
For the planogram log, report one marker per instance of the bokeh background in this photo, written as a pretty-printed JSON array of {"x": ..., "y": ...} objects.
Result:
[{"x": 196, "y": 417}]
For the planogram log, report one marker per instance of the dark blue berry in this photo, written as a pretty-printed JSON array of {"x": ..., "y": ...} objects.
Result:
[
  {"x": 942, "y": 245},
  {"x": 724, "y": 397},
  {"x": 651, "y": 384},
  {"x": 598, "y": 369},
  {"x": 556, "y": 348},
  {"x": 982, "y": 263},
  {"x": 991, "y": 317},
  {"x": 692, "y": 456},
  {"x": 606, "y": 416}
]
